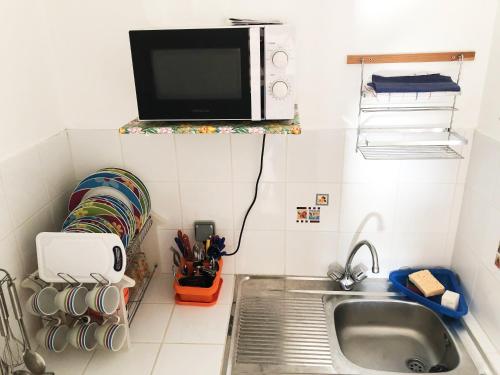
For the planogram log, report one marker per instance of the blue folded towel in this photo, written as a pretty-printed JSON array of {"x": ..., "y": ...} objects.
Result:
[{"x": 415, "y": 83}]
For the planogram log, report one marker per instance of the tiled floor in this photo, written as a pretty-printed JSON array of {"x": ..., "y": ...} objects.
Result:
[{"x": 166, "y": 338}]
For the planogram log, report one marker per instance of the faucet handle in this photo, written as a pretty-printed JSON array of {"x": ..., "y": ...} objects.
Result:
[
  {"x": 359, "y": 272},
  {"x": 335, "y": 271}
]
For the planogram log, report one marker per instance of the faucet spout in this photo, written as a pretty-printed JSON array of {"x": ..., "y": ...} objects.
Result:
[{"x": 347, "y": 282}]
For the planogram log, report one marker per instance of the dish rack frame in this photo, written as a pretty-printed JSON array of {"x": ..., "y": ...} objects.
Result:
[
  {"x": 126, "y": 311},
  {"x": 408, "y": 143}
]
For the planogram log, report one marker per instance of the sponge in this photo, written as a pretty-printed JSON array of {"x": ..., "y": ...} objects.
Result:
[
  {"x": 450, "y": 299},
  {"x": 426, "y": 283}
]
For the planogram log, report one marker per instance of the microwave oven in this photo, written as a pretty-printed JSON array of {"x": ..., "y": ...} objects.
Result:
[{"x": 227, "y": 73}]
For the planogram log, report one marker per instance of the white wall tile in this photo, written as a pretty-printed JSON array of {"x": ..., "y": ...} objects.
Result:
[
  {"x": 26, "y": 234},
  {"x": 246, "y": 151},
  {"x": 465, "y": 265},
  {"x": 309, "y": 254},
  {"x": 491, "y": 240},
  {"x": 424, "y": 207},
  {"x": 198, "y": 325},
  {"x": 367, "y": 207},
  {"x": 358, "y": 170},
  {"x": 150, "y": 157},
  {"x": 57, "y": 163},
  {"x": 304, "y": 195},
  {"x": 24, "y": 185},
  {"x": 465, "y": 151},
  {"x": 174, "y": 358},
  {"x": 166, "y": 204},
  {"x": 59, "y": 209},
  {"x": 11, "y": 257},
  {"x": 428, "y": 171},
  {"x": 421, "y": 249},
  {"x": 484, "y": 164},
  {"x": 94, "y": 149},
  {"x": 383, "y": 242},
  {"x": 471, "y": 225},
  {"x": 315, "y": 156},
  {"x": 486, "y": 305},
  {"x": 261, "y": 252},
  {"x": 138, "y": 360},
  {"x": 268, "y": 212},
  {"x": 157, "y": 247},
  {"x": 207, "y": 201},
  {"x": 203, "y": 158},
  {"x": 150, "y": 322},
  {"x": 6, "y": 224}
]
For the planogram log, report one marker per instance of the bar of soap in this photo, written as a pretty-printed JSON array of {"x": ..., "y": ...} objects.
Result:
[
  {"x": 450, "y": 300},
  {"x": 426, "y": 283}
]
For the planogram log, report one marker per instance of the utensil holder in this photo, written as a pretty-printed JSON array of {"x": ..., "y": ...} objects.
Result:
[{"x": 197, "y": 296}]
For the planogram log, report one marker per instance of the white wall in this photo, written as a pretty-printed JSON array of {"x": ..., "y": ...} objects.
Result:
[
  {"x": 196, "y": 177},
  {"x": 34, "y": 187},
  {"x": 93, "y": 54},
  {"x": 478, "y": 237},
  {"x": 28, "y": 96},
  {"x": 490, "y": 108}
]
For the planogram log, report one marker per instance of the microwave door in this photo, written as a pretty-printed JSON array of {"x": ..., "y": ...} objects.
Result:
[{"x": 192, "y": 74}]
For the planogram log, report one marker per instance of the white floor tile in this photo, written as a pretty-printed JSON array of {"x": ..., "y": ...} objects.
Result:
[
  {"x": 71, "y": 362},
  {"x": 150, "y": 323},
  {"x": 188, "y": 358},
  {"x": 138, "y": 360},
  {"x": 198, "y": 325},
  {"x": 160, "y": 290}
]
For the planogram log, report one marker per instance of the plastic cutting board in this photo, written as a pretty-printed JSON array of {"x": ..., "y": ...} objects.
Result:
[{"x": 79, "y": 255}]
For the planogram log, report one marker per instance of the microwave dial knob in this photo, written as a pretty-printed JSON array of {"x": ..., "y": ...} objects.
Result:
[
  {"x": 280, "y": 59},
  {"x": 280, "y": 89}
]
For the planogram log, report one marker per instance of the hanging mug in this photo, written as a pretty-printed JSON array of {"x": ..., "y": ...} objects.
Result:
[
  {"x": 111, "y": 335},
  {"x": 53, "y": 336},
  {"x": 42, "y": 303},
  {"x": 103, "y": 299},
  {"x": 71, "y": 300},
  {"x": 82, "y": 334}
]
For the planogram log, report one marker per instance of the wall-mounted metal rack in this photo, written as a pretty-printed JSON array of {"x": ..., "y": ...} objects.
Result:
[{"x": 408, "y": 142}]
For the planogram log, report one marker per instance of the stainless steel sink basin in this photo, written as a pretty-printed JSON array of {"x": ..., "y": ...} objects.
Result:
[
  {"x": 301, "y": 325},
  {"x": 397, "y": 336}
]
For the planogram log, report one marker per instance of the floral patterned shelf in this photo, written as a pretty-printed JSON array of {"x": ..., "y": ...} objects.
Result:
[{"x": 215, "y": 127}]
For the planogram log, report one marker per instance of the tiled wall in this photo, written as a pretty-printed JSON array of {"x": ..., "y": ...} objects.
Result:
[
  {"x": 34, "y": 187},
  {"x": 409, "y": 209},
  {"x": 478, "y": 236}
]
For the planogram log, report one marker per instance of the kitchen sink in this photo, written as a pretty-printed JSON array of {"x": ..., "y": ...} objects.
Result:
[
  {"x": 304, "y": 325},
  {"x": 397, "y": 336}
]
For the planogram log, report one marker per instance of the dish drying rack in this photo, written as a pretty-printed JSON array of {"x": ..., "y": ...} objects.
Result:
[
  {"x": 126, "y": 310},
  {"x": 408, "y": 142}
]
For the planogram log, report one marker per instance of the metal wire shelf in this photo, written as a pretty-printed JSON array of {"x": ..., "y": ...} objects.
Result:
[
  {"x": 138, "y": 295},
  {"x": 407, "y": 142}
]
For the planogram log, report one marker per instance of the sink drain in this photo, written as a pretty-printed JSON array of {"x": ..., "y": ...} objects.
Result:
[{"x": 415, "y": 365}]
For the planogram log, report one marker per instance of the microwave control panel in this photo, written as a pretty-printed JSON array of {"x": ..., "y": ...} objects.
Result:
[{"x": 279, "y": 72}]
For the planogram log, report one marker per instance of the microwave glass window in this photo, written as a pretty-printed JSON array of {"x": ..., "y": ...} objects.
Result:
[{"x": 199, "y": 73}]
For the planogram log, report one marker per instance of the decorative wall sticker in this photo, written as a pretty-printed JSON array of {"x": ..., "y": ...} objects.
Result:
[
  {"x": 322, "y": 199},
  {"x": 314, "y": 214},
  {"x": 302, "y": 215}
]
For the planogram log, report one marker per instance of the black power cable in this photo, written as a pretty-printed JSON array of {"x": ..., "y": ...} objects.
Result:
[{"x": 254, "y": 198}]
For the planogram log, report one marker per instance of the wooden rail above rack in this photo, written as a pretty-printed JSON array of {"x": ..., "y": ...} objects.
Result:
[{"x": 411, "y": 57}]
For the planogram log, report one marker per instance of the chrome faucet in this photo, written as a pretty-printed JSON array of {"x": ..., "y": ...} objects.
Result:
[{"x": 348, "y": 276}]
